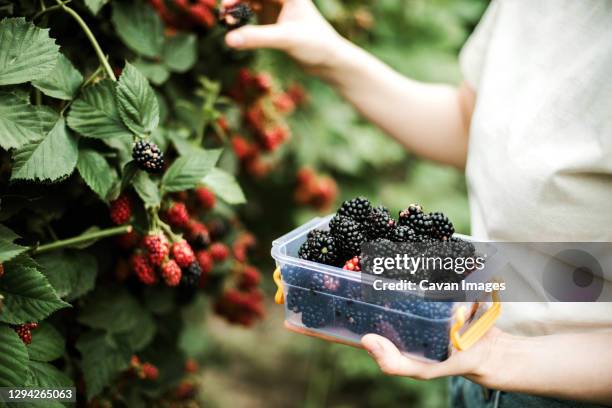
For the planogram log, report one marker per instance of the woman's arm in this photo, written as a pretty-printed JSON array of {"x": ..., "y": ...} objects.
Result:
[
  {"x": 567, "y": 366},
  {"x": 430, "y": 120}
]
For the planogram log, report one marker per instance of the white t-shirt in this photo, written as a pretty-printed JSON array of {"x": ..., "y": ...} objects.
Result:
[{"x": 539, "y": 164}]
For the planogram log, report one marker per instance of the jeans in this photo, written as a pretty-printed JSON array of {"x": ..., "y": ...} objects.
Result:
[{"x": 466, "y": 394}]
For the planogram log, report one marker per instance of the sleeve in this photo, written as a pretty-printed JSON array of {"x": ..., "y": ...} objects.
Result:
[{"x": 474, "y": 51}]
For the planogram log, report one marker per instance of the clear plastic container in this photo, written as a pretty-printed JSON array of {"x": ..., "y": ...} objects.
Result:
[{"x": 344, "y": 308}]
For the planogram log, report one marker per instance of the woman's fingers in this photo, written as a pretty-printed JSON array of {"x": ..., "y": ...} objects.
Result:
[
  {"x": 392, "y": 362},
  {"x": 265, "y": 36}
]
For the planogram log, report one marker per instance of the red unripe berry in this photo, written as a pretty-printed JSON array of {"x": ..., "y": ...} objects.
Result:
[
  {"x": 121, "y": 210},
  {"x": 128, "y": 241},
  {"x": 284, "y": 103},
  {"x": 143, "y": 269},
  {"x": 157, "y": 247},
  {"x": 353, "y": 264},
  {"x": 150, "y": 372},
  {"x": 205, "y": 260},
  {"x": 1, "y": 270},
  {"x": 171, "y": 273},
  {"x": 24, "y": 331},
  {"x": 242, "y": 148},
  {"x": 191, "y": 366},
  {"x": 177, "y": 215},
  {"x": 249, "y": 278},
  {"x": 219, "y": 251},
  {"x": 263, "y": 82},
  {"x": 182, "y": 253},
  {"x": 205, "y": 197}
]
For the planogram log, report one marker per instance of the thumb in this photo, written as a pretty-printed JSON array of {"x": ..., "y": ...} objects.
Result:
[
  {"x": 387, "y": 356},
  {"x": 264, "y": 36}
]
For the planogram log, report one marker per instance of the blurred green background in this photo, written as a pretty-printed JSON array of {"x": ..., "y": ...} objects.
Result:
[{"x": 268, "y": 366}]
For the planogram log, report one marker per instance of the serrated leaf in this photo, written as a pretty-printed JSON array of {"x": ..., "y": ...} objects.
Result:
[
  {"x": 44, "y": 375},
  {"x": 103, "y": 360},
  {"x": 225, "y": 186},
  {"x": 8, "y": 249},
  {"x": 95, "y": 5},
  {"x": 111, "y": 309},
  {"x": 71, "y": 273},
  {"x": 180, "y": 52},
  {"x": 147, "y": 189},
  {"x": 62, "y": 82},
  {"x": 47, "y": 343},
  {"x": 96, "y": 172},
  {"x": 141, "y": 335},
  {"x": 94, "y": 113},
  {"x": 49, "y": 159},
  {"x": 138, "y": 106},
  {"x": 28, "y": 296},
  {"x": 13, "y": 359},
  {"x": 129, "y": 172},
  {"x": 139, "y": 26},
  {"x": 19, "y": 121},
  {"x": 155, "y": 72},
  {"x": 188, "y": 171},
  {"x": 26, "y": 52}
]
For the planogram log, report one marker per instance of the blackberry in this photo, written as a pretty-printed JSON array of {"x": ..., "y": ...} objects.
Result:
[
  {"x": 334, "y": 222},
  {"x": 403, "y": 233},
  {"x": 442, "y": 228},
  {"x": 236, "y": 16},
  {"x": 415, "y": 218},
  {"x": 435, "y": 340},
  {"x": 322, "y": 248},
  {"x": 314, "y": 307},
  {"x": 191, "y": 275},
  {"x": 379, "y": 224},
  {"x": 148, "y": 157},
  {"x": 354, "y": 316},
  {"x": 348, "y": 234},
  {"x": 322, "y": 282},
  {"x": 358, "y": 208}
]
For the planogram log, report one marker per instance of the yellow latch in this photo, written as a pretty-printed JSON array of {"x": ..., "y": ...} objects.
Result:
[
  {"x": 279, "y": 297},
  {"x": 478, "y": 329}
]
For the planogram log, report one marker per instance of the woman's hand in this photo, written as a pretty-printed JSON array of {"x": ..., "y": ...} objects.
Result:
[
  {"x": 473, "y": 363},
  {"x": 299, "y": 30}
]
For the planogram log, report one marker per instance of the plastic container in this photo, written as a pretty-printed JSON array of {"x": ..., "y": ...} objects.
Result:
[{"x": 342, "y": 309}]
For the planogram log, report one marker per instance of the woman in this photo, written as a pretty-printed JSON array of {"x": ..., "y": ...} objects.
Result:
[{"x": 532, "y": 126}]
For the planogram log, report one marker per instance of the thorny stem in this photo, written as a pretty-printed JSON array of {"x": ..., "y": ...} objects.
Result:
[
  {"x": 79, "y": 239},
  {"x": 92, "y": 39},
  {"x": 45, "y": 10}
]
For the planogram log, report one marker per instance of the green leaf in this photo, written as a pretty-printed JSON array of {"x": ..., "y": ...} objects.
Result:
[
  {"x": 19, "y": 121},
  {"x": 28, "y": 296},
  {"x": 139, "y": 27},
  {"x": 147, "y": 189},
  {"x": 8, "y": 249},
  {"x": 112, "y": 309},
  {"x": 26, "y": 51},
  {"x": 71, "y": 273},
  {"x": 47, "y": 343},
  {"x": 225, "y": 186},
  {"x": 62, "y": 82},
  {"x": 95, "y": 5},
  {"x": 94, "y": 113},
  {"x": 13, "y": 359},
  {"x": 180, "y": 52},
  {"x": 96, "y": 172},
  {"x": 188, "y": 171},
  {"x": 44, "y": 375},
  {"x": 129, "y": 172},
  {"x": 138, "y": 106},
  {"x": 141, "y": 335},
  {"x": 155, "y": 72},
  {"x": 103, "y": 360},
  {"x": 49, "y": 159}
]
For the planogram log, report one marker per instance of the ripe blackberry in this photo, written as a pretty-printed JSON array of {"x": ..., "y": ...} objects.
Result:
[
  {"x": 121, "y": 210},
  {"x": 191, "y": 275},
  {"x": 323, "y": 282},
  {"x": 197, "y": 234},
  {"x": 348, "y": 233},
  {"x": 320, "y": 247},
  {"x": 143, "y": 269},
  {"x": 316, "y": 314},
  {"x": 358, "y": 208},
  {"x": 354, "y": 316},
  {"x": 171, "y": 272},
  {"x": 379, "y": 224},
  {"x": 415, "y": 218},
  {"x": 403, "y": 233},
  {"x": 333, "y": 223},
  {"x": 435, "y": 341},
  {"x": 182, "y": 253},
  {"x": 157, "y": 247},
  {"x": 442, "y": 228},
  {"x": 148, "y": 157},
  {"x": 236, "y": 16}
]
